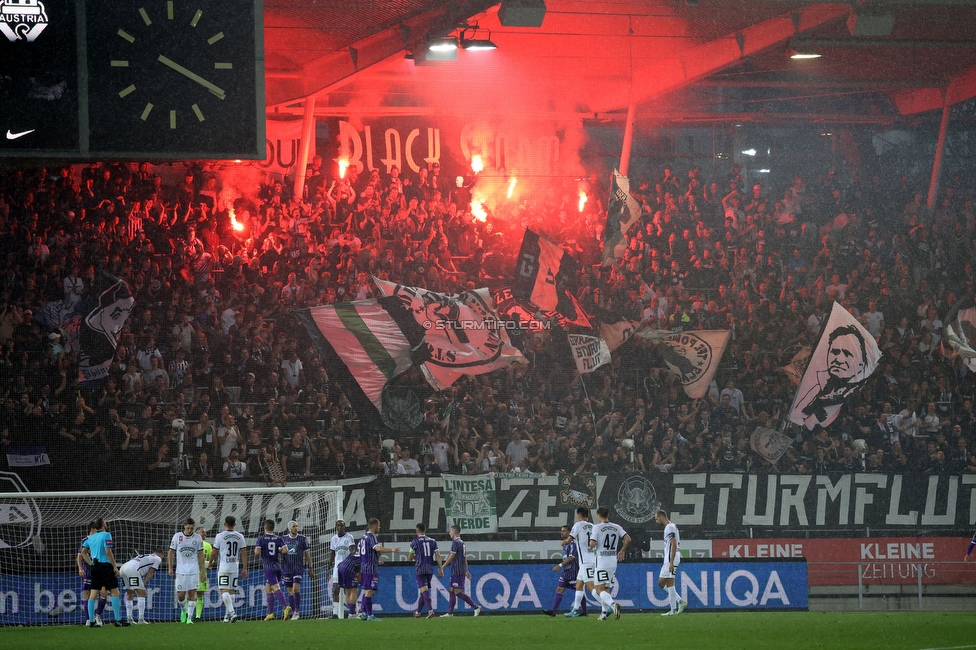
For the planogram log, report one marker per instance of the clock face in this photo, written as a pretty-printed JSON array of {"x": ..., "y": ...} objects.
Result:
[{"x": 180, "y": 78}]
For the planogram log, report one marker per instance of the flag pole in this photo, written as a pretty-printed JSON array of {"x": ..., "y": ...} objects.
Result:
[
  {"x": 628, "y": 139},
  {"x": 588, "y": 404}
]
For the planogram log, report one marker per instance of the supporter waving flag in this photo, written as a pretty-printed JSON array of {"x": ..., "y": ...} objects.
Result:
[
  {"x": 367, "y": 342},
  {"x": 109, "y": 305},
  {"x": 960, "y": 332},
  {"x": 844, "y": 357},
  {"x": 623, "y": 211},
  {"x": 464, "y": 335}
]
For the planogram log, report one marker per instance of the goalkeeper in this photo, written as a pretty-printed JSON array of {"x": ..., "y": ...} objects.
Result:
[{"x": 207, "y": 553}]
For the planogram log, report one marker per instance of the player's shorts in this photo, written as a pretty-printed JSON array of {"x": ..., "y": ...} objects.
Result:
[
  {"x": 272, "y": 576},
  {"x": 423, "y": 580},
  {"x": 369, "y": 581},
  {"x": 103, "y": 577},
  {"x": 289, "y": 579},
  {"x": 132, "y": 580},
  {"x": 347, "y": 580},
  {"x": 667, "y": 575},
  {"x": 605, "y": 576},
  {"x": 586, "y": 573},
  {"x": 227, "y": 580},
  {"x": 457, "y": 580},
  {"x": 187, "y": 581},
  {"x": 567, "y": 581}
]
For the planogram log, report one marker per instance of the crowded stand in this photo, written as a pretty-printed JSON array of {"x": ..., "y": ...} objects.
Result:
[{"x": 215, "y": 378}]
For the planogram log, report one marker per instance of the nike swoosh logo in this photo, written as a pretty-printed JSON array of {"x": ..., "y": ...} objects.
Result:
[{"x": 14, "y": 136}]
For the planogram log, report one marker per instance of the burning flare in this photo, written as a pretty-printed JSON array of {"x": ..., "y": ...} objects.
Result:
[
  {"x": 478, "y": 210},
  {"x": 476, "y": 164},
  {"x": 343, "y": 166},
  {"x": 511, "y": 186},
  {"x": 234, "y": 223},
  {"x": 582, "y": 200}
]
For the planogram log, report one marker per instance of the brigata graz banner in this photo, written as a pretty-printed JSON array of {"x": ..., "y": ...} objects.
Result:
[
  {"x": 701, "y": 504},
  {"x": 500, "y": 587}
]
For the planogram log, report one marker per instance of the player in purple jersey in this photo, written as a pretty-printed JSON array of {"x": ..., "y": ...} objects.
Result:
[
  {"x": 270, "y": 547},
  {"x": 293, "y": 567},
  {"x": 347, "y": 578},
  {"x": 569, "y": 567},
  {"x": 369, "y": 552},
  {"x": 969, "y": 550},
  {"x": 84, "y": 572},
  {"x": 459, "y": 571},
  {"x": 424, "y": 551}
]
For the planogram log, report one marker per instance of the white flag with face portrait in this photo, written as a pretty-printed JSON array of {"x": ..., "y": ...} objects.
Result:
[{"x": 845, "y": 356}]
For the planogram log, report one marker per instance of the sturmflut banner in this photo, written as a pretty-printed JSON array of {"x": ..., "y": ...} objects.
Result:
[
  {"x": 469, "y": 502},
  {"x": 589, "y": 352}
]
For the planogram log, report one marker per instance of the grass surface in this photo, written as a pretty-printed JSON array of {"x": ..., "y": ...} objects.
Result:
[{"x": 886, "y": 631}]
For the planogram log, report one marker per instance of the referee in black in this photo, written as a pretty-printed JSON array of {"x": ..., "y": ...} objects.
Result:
[{"x": 97, "y": 552}]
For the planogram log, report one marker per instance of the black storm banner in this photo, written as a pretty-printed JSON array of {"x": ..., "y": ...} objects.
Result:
[{"x": 701, "y": 504}]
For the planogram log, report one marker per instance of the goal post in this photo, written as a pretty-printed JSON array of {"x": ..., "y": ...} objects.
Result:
[{"x": 40, "y": 533}]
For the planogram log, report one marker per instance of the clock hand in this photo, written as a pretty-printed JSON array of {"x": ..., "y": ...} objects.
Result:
[{"x": 192, "y": 76}]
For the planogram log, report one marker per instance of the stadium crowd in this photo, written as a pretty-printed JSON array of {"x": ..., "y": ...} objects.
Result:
[{"x": 213, "y": 339}]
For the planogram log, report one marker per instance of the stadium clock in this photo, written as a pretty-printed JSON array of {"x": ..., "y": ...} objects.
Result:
[{"x": 176, "y": 77}]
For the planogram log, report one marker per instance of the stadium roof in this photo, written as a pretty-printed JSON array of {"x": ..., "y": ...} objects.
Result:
[{"x": 680, "y": 60}]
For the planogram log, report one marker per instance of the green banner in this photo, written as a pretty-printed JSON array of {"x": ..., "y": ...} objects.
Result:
[{"x": 469, "y": 502}]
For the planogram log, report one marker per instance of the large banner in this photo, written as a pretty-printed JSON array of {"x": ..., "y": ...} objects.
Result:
[
  {"x": 700, "y": 504},
  {"x": 876, "y": 560},
  {"x": 469, "y": 502},
  {"x": 105, "y": 312},
  {"x": 499, "y": 587}
]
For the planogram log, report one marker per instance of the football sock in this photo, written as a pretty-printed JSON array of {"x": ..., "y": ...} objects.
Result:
[
  {"x": 298, "y": 602},
  {"x": 228, "y": 603},
  {"x": 291, "y": 601},
  {"x": 271, "y": 601},
  {"x": 101, "y": 606},
  {"x": 368, "y": 605},
  {"x": 583, "y": 607},
  {"x": 596, "y": 596},
  {"x": 451, "y": 602},
  {"x": 128, "y": 608},
  {"x": 190, "y": 609},
  {"x": 199, "y": 607},
  {"x": 91, "y": 611},
  {"x": 466, "y": 598},
  {"x": 141, "y": 607},
  {"x": 427, "y": 600},
  {"x": 352, "y": 609},
  {"x": 578, "y": 598},
  {"x": 335, "y": 609},
  {"x": 607, "y": 600},
  {"x": 117, "y": 608},
  {"x": 558, "y": 598},
  {"x": 421, "y": 601},
  {"x": 673, "y": 598},
  {"x": 280, "y": 597}
]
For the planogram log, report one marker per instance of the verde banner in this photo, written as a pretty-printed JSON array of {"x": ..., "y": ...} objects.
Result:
[{"x": 469, "y": 502}]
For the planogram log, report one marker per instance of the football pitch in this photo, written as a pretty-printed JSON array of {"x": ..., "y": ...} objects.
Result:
[{"x": 882, "y": 630}]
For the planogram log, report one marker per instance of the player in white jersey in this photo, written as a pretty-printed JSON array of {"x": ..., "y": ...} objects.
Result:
[
  {"x": 669, "y": 568},
  {"x": 134, "y": 575},
  {"x": 581, "y": 533},
  {"x": 342, "y": 544},
  {"x": 605, "y": 540},
  {"x": 187, "y": 549},
  {"x": 230, "y": 547}
]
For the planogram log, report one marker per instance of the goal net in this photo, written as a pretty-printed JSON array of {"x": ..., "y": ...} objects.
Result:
[{"x": 40, "y": 535}]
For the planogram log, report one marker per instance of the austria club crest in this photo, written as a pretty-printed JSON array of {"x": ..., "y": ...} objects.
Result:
[
  {"x": 637, "y": 500},
  {"x": 20, "y": 518},
  {"x": 22, "y": 20}
]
